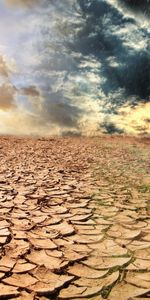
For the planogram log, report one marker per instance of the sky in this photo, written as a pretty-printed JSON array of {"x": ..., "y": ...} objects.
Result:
[{"x": 74, "y": 67}]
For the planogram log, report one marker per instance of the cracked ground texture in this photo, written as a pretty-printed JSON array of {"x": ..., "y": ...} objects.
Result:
[{"x": 74, "y": 218}]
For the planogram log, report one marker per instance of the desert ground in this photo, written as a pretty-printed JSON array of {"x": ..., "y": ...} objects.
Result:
[{"x": 74, "y": 218}]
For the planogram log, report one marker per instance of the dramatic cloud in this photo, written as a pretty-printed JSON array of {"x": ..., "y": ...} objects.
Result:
[
  {"x": 81, "y": 67},
  {"x": 4, "y": 70},
  {"x": 23, "y": 3},
  {"x": 30, "y": 91},
  {"x": 139, "y": 6},
  {"x": 132, "y": 119},
  {"x": 6, "y": 67},
  {"x": 7, "y": 97}
]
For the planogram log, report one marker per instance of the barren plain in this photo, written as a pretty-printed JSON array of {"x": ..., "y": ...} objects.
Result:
[{"x": 74, "y": 218}]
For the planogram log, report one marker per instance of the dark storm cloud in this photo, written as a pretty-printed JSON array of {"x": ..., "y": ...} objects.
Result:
[
  {"x": 111, "y": 128},
  {"x": 138, "y": 6},
  {"x": 107, "y": 34},
  {"x": 61, "y": 113}
]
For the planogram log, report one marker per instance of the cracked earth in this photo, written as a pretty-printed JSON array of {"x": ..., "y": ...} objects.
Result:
[{"x": 74, "y": 218}]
